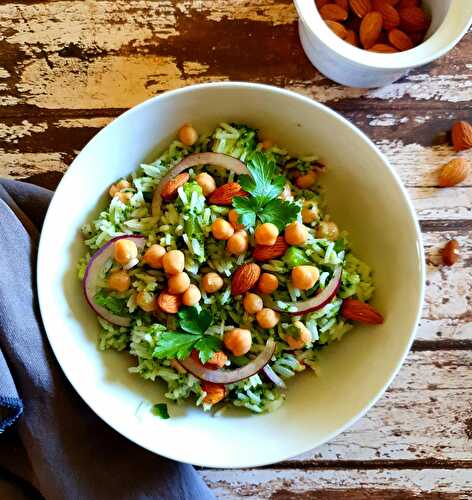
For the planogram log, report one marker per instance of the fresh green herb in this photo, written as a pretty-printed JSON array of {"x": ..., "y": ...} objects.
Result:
[
  {"x": 111, "y": 303},
  {"x": 264, "y": 186},
  {"x": 160, "y": 410},
  {"x": 172, "y": 345},
  {"x": 296, "y": 257}
]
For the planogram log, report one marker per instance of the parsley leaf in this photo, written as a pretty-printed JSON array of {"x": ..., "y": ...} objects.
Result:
[
  {"x": 207, "y": 346},
  {"x": 173, "y": 345},
  {"x": 264, "y": 187},
  {"x": 111, "y": 303},
  {"x": 160, "y": 410},
  {"x": 279, "y": 212},
  {"x": 192, "y": 321},
  {"x": 262, "y": 184}
]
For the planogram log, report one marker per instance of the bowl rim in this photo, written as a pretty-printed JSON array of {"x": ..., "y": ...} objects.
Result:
[
  {"x": 446, "y": 36},
  {"x": 48, "y": 230}
]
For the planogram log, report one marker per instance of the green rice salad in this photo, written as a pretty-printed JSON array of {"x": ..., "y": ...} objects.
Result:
[{"x": 226, "y": 269}]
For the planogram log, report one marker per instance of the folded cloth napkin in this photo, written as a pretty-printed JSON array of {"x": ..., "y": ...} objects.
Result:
[{"x": 52, "y": 440}]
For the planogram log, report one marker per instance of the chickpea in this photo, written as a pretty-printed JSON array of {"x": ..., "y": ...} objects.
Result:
[
  {"x": 218, "y": 360},
  {"x": 267, "y": 318},
  {"x": 252, "y": 303},
  {"x": 191, "y": 296},
  {"x": 268, "y": 283},
  {"x": 116, "y": 188},
  {"x": 286, "y": 194},
  {"x": 222, "y": 229},
  {"x": 125, "y": 250},
  {"x": 119, "y": 281},
  {"x": 328, "y": 230},
  {"x": 178, "y": 283},
  {"x": 305, "y": 277},
  {"x": 238, "y": 341},
  {"x": 296, "y": 234},
  {"x": 173, "y": 262},
  {"x": 233, "y": 217},
  {"x": 303, "y": 339},
  {"x": 266, "y": 234},
  {"x": 206, "y": 182},
  {"x": 266, "y": 144},
  {"x": 238, "y": 243},
  {"x": 305, "y": 181},
  {"x": 214, "y": 392},
  {"x": 153, "y": 256},
  {"x": 212, "y": 282},
  {"x": 146, "y": 301},
  {"x": 310, "y": 212},
  {"x": 188, "y": 135}
]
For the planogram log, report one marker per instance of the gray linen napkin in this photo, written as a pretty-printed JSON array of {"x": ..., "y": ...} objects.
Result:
[{"x": 51, "y": 439}]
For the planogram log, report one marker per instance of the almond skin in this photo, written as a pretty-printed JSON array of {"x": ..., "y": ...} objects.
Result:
[
  {"x": 371, "y": 28},
  {"x": 343, "y": 3},
  {"x": 320, "y": 3},
  {"x": 355, "y": 310},
  {"x": 224, "y": 194},
  {"x": 454, "y": 172},
  {"x": 351, "y": 37},
  {"x": 383, "y": 48},
  {"x": 402, "y": 4},
  {"x": 450, "y": 253},
  {"x": 333, "y": 12},
  {"x": 169, "y": 190},
  {"x": 337, "y": 28},
  {"x": 413, "y": 19},
  {"x": 391, "y": 17},
  {"x": 244, "y": 278},
  {"x": 169, "y": 303},
  {"x": 462, "y": 136},
  {"x": 400, "y": 40},
  {"x": 360, "y": 7},
  {"x": 263, "y": 252}
]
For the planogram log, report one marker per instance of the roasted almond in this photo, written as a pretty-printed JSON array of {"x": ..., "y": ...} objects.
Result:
[
  {"x": 400, "y": 40},
  {"x": 244, "y": 278},
  {"x": 224, "y": 194},
  {"x": 333, "y": 12},
  {"x": 383, "y": 48},
  {"x": 320, "y": 3},
  {"x": 453, "y": 172},
  {"x": 462, "y": 136},
  {"x": 360, "y": 7},
  {"x": 391, "y": 17},
  {"x": 403, "y": 4},
  {"x": 343, "y": 3},
  {"x": 263, "y": 252},
  {"x": 169, "y": 303},
  {"x": 413, "y": 19},
  {"x": 170, "y": 188},
  {"x": 351, "y": 37},
  {"x": 371, "y": 28},
  {"x": 450, "y": 253},
  {"x": 393, "y": 2},
  {"x": 355, "y": 310},
  {"x": 337, "y": 28}
]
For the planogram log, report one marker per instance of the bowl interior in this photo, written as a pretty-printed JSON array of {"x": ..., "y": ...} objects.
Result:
[
  {"x": 450, "y": 19},
  {"x": 365, "y": 198}
]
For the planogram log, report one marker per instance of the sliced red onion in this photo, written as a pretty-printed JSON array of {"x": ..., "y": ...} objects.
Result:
[
  {"x": 193, "y": 160},
  {"x": 273, "y": 376},
  {"x": 132, "y": 263},
  {"x": 231, "y": 376},
  {"x": 92, "y": 273},
  {"x": 314, "y": 303}
]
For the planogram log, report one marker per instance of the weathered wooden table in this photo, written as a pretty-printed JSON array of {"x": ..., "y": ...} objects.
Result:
[{"x": 67, "y": 68}]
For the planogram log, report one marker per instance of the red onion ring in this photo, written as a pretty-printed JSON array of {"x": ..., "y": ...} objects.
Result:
[
  {"x": 231, "y": 376},
  {"x": 314, "y": 303},
  {"x": 95, "y": 265},
  {"x": 193, "y": 160}
]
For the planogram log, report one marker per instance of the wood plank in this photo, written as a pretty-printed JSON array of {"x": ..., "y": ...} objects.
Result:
[
  {"x": 333, "y": 484},
  {"x": 95, "y": 55}
]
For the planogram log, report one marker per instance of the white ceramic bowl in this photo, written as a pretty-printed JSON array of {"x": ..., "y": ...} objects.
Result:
[
  {"x": 365, "y": 196},
  {"x": 354, "y": 67}
]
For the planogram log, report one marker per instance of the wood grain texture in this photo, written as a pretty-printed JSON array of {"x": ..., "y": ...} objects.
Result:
[{"x": 69, "y": 67}]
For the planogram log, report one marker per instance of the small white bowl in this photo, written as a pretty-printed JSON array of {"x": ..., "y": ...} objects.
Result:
[
  {"x": 365, "y": 197},
  {"x": 349, "y": 65}
]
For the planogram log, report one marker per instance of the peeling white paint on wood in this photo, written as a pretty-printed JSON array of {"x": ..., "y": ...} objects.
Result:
[
  {"x": 11, "y": 133},
  {"x": 262, "y": 484},
  {"x": 20, "y": 165},
  {"x": 97, "y": 123}
]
